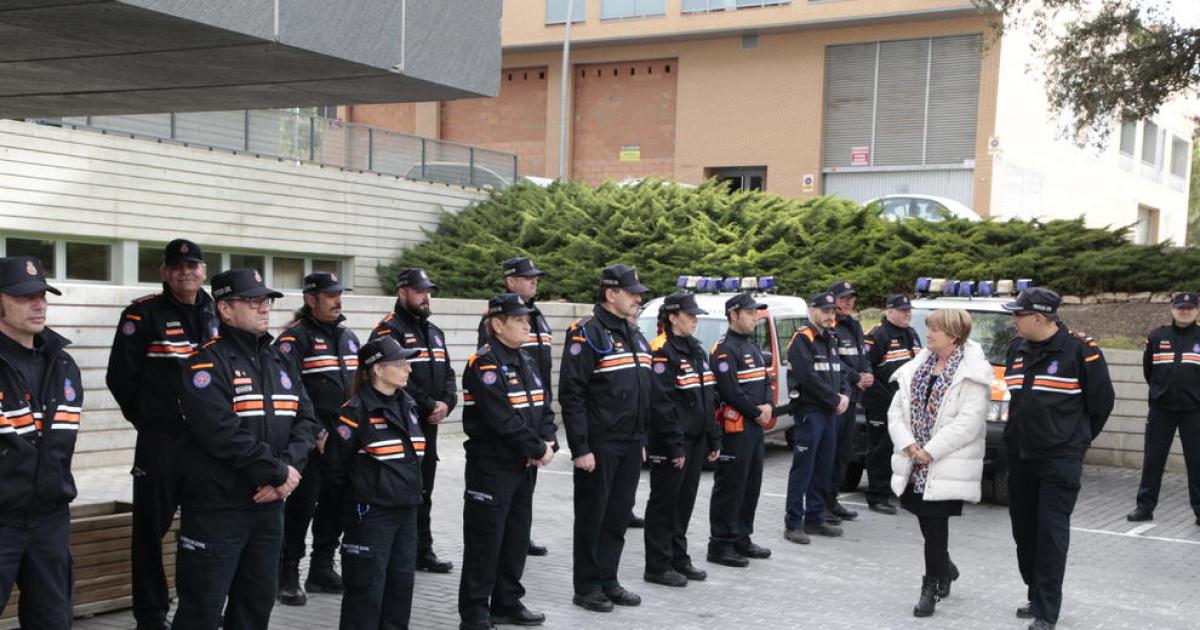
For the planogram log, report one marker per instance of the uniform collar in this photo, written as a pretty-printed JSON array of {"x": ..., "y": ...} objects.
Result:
[
  {"x": 609, "y": 319},
  {"x": 402, "y": 312},
  {"x": 203, "y": 299},
  {"x": 1183, "y": 329},
  {"x": 503, "y": 353},
  {"x": 683, "y": 344},
  {"x": 1054, "y": 343},
  {"x": 46, "y": 342},
  {"x": 326, "y": 326},
  {"x": 373, "y": 400},
  {"x": 245, "y": 339}
]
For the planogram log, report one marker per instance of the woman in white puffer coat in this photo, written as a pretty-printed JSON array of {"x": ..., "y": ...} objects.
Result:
[{"x": 937, "y": 423}]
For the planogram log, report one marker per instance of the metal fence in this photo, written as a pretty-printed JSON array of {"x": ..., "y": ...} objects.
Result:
[{"x": 291, "y": 135}]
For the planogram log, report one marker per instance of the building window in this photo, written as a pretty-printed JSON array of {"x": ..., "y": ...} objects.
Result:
[
  {"x": 1128, "y": 138},
  {"x": 556, "y": 11},
  {"x": 1146, "y": 230},
  {"x": 238, "y": 261},
  {"x": 1179, "y": 157},
  {"x": 287, "y": 273},
  {"x": 1150, "y": 143},
  {"x": 33, "y": 248},
  {"x": 617, "y": 9},
  {"x": 89, "y": 261},
  {"x": 149, "y": 259},
  {"x": 330, "y": 266},
  {"x": 705, "y": 6}
]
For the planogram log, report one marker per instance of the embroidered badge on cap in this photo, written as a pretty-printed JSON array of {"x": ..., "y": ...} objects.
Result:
[
  {"x": 68, "y": 391},
  {"x": 284, "y": 380},
  {"x": 30, "y": 268},
  {"x": 201, "y": 379},
  {"x": 343, "y": 432},
  {"x": 257, "y": 278},
  {"x": 128, "y": 328},
  {"x": 489, "y": 377}
]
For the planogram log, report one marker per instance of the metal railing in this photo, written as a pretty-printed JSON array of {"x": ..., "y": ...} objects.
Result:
[{"x": 301, "y": 137}]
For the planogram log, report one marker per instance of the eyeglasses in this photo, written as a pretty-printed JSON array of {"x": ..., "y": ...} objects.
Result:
[{"x": 256, "y": 303}]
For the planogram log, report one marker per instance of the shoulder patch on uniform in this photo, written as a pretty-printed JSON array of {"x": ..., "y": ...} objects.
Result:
[
  {"x": 128, "y": 328},
  {"x": 489, "y": 377},
  {"x": 145, "y": 298},
  {"x": 201, "y": 379},
  {"x": 658, "y": 342},
  {"x": 808, "y": 333}
]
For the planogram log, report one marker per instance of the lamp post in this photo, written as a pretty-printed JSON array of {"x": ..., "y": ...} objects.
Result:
[{"x": 562, "y": 97}]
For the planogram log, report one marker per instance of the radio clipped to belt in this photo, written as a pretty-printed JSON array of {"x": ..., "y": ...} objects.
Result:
[{"x": 730, "y": 420}]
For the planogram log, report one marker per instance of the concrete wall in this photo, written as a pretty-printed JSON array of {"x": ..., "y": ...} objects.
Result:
[
  {"x": 87, "y": 314},
  {"x": 1121, "y": 442}
]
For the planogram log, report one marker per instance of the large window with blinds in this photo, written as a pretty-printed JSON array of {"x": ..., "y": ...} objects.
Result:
[{"x": 902, "y": 103}]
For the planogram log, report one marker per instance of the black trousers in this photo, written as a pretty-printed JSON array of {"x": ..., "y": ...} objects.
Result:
[
  {"x": 228, "y": 558},
  {"x": 155, "y": 501},
  {"x": 1042, "y": 494},
  {"x": 497, "y": 513},
  {"x": 737, "y": 480},
  {"x": 379, "y": 559},
  {"x": 36, "y": 556},
  {"x": 1160, "y": 432},
  {"x": 841, "y": 457},
  {"x": 936, "y": 531},
  {"x": 603, "y": 500},
  {"x": 879, "y": 454},
  {"x": 428, "y": 474},
  {"x": 315, "y": 501},
  {"x": 669, "y": 510}
]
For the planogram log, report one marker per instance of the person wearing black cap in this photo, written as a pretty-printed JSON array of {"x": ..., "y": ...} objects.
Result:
[
  {"x": 510, "y": 434},
  {"x": 890, "y": 345},
  {"x": 604, "y": 391},
  {"x": 744, "y": 386},
  {"x": 1061, "y": 396},
  {"x": 821, "y": 391},
  {"x": 325, "y": 352},
  {"x": 522, "y": 277},
  {"x": 1171, "y": 364},
  {"x": 681, "y": 436},
  {"x": 154, "y": 337},
  {"x": 432, "y": 386},
  {"x": 248, "y": 428},
  {"x": 41, "y": 394},
  {"x": 852, "y": 350},
  {"x": 375, "y": 452}
]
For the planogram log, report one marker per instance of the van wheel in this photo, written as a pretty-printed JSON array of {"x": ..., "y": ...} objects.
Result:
[
  {"x": 854, "y": 475},
  {"x": 1000, "y": 487}
]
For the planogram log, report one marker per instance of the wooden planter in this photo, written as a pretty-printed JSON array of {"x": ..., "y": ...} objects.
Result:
[{"x": 100, "y": 536}]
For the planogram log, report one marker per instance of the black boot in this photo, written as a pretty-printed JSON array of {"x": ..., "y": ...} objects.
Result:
[
  {"x": 290, "y": 593},
  {"x": 944, "y": 581},
  {"x": 925, "y": 605},
  {"x": 321, "y": 576}
]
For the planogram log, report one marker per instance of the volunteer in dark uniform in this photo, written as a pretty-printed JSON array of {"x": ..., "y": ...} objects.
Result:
[
  {"x": 681, "y": 436},
  {"x": 744, "y": 388},
  {"x": 41, "y": 394},
  {"x": 510, "y": 434},
  {"x": 154, "y": 338},
  {"x": 521, "y": 277},
  {"x": 1171, "y": 364},
  {"x": 1061, "y": 396},
  {"x": 247, "y": 429},
  {"x": 818, "y": 375},
  {"x": 852, "y": 350},
  {"x": 374, "y": 453},
  {"x": 604, "y": 391},
  {"x": 325, "y": 353},
  {"x": 890, "y": 345},
  {"x": 431, "y": 385}
]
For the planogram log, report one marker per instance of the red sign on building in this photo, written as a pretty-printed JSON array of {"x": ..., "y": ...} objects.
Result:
[{"x": 860, "y": 156}]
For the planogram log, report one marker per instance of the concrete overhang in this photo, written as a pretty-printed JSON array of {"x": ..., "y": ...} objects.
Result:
[{"x": 92, "y": 57}]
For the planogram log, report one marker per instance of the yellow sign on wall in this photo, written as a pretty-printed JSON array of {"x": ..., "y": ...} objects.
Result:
[{"x": 631, "y": 153}]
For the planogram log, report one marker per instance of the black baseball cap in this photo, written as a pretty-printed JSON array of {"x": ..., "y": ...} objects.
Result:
[
  {"x": 323, "y": 282},
  {"x": 414, "y": 278},
  {"x": 621, "y": 277},
  {"x": 899, "y": 301},
  {"x": 842, "y": 289},
  {"x": 23, "y": 275},
  {"x": 681, "y": 301},
  {"x": 181, "y": 250},
  {"x": 241, "y": 283},
  {"x": 824, "y": 300},
  {"x": 743, "y": 301},
  {"x": 1035, "y": 299},
  {"x": 507, "y": 304},
  {"x": 1185, "y": 298},
  {"x": 383, "y": 350},
  {"x": 520, "y": 266}
]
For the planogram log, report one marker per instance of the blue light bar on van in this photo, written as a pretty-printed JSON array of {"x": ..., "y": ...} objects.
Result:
[
  {"x": 1024, "y": 283},
  {"x": 923, "y": 285},
  {"x": 966, "y": 288},
  {"x": 950, "y": 288},
  {"x": 986, "y": 288},
  {"x": 766, "y": 283},
  {"x": 681, "y": 282},
  {"x": 702, "y": 284},
  {"x": 730, "y": 284}
]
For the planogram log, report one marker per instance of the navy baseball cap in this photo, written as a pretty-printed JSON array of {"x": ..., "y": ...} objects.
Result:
[
  {"x": 842, "y": 289},
  {"x": 383, "y": 350},
  {"x": 823, "y": 301},
  {"x": 621, "y": 277},
  {"x": 507, "y": 304},
  {"x": 23, "y": 275},
  {"x": 181, "y": 250},
  {"x": 1185, "y": 299},
  {"x": 1035, "y": 299},
  {"x": 743, "y": 301},
  {"x": 241, "y": 283},
  {"x": 323, "y": 282},
  {"x": 414, "y": 278},
  {"x": 521, "y": 266},
  {"x": 681, "y": 302},
  {"x": 899, "y": 301}
]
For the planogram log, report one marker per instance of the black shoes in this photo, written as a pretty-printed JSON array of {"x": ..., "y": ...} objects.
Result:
[
  {"x": 883, "y": 507},
  {"x": 928, "y": 601},
  {"x": 666, "y": 578},
  {"x": 476, "y": 625},
  {"x": 537, "y": 550},
  {"x": 751, "y": 550},
  {"x": 690, "y": 572},
  {"x": 621, "y": 597},
  {"x": 520, "y": 617},
  {"x": 831, "y": 518},
  {"x": 636, "y": 521},
  {"x": 1041, "y": 624},
  {"x": 824, "y": 529},
  {"x": 321, "y": 576},
  {"x": 943, "y": 590},
  {"x": 797, "y": 536},
  {"x": 1026, "y": 611},
  {"x": 595, "y": 601},
  {"x": 290, "y": 593},
  {"x": 840, "y": 511},
  {"x": 728, "y": 558},
  {"x": 1141, "y": 514},
  {"x": 429, "y": 561}
]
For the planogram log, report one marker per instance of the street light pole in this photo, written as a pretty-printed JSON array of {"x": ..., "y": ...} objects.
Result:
[{"x": 562, "y": 97}]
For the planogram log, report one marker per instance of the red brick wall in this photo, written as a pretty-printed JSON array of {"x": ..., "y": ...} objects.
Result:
[
  {"x": 513, "y": 122},
  {"x": 616, "y": 104},
  {"x": 397, "y": 117}
]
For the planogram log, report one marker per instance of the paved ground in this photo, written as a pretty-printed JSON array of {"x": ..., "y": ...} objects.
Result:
[{"x": 1119, "y": 576}]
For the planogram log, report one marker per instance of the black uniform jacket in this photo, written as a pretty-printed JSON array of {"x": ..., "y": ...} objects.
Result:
[
  {"x": 376, "y": 448},
  {"x": 432, "y": 378},
  {"x": 888, "y": 348},
  {"x": 743, "y": 378},
  {"x": 685, "y": 398},
  {"x": 326, "y": 355},
  {"x": 506, "y": 414},
  {"x": 1171, "y": 364},
  {"x": 817, "y": 372},
  {"x": 538, "y": 348}
]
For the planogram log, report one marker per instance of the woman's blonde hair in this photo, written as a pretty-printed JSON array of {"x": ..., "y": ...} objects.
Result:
[{"x": 952, "y": 321}]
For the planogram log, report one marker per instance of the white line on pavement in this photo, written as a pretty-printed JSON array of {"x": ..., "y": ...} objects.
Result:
[
  {"x": 1132, "y": 535},
  {"x": 1140, "y": 529}
]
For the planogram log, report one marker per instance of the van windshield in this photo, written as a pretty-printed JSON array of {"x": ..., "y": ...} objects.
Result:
[
  {"x": 993, "y": 331},
  {"x": 709, "y": 330}
]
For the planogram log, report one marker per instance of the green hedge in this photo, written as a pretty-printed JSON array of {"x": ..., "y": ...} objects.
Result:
[{"x": 572, "y": 230}]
